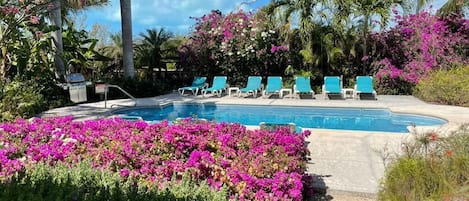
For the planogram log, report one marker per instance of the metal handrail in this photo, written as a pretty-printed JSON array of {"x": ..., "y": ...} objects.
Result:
[{"x": 117, "y": 87}]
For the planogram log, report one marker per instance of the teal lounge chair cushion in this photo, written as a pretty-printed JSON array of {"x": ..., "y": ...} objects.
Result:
[
  {"x": 198, "y": 83},
  {"x": 303, "y": 85},
  {"x": 219, "y": 83},
  {"x": 274, "y": 84},
  {"x": 254, "y": 83},
  {"x": 365, "y": 84},
  {"x": 332, "y": 84}
]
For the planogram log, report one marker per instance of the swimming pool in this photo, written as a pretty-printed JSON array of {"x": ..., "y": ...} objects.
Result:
[{"x": 306, "y": 117}]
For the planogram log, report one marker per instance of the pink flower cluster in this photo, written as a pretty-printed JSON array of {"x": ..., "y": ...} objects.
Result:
[
  {"x": 10, "y": 10},
  {"x": 420, "y": 43},
  {"x": 237, "y": 42},
  {"x": 255, "y": 165},
  {"x": 278, "y": 48}
]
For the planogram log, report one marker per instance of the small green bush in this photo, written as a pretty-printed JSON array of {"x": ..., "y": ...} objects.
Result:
[
  {"x": 142, "y": 88},
  {"x": 20, "y": 99},
  {"x": 445, "y": 87},
  {"x": 84, "y": 183},
  {"x": 25, "y": 98},
  {"x": 432, "y": 168}
]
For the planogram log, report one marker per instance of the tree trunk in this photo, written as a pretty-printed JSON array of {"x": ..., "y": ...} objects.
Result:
[
  {"x": 126, "y": 17},
  {"x": 57, "y": 45},
  {"x": 365, "y": 44}
]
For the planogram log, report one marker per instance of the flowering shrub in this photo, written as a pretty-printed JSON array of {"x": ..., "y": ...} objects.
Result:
[
  {"x": 418, "y": 44},
  {"x": 22, "y": 38},
  {"x": 259, "y": 165},
  {"x": 26, "y": 66},
  {"x": 238, "y": 44}
]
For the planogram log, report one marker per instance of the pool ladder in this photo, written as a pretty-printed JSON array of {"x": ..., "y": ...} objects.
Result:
[{"x": 123, "y": 91}]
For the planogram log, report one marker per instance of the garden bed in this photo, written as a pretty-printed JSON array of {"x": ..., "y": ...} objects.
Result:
[{"x": 252, "y": 165}]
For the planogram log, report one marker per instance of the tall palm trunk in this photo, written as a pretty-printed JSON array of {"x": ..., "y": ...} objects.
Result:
[
  {"x": 56, "y": 20},
  {"x": 365, "y": 43},
  {"x": 126, "y": 15}
]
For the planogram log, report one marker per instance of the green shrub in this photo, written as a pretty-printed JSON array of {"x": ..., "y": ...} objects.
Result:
[
  {"x": 142, "y": 88},
  {"x": 84, "y": 183},
  {"x": 20, "y": 99},
  {"x": 26, "y": 98},
  {"x": 445, "y": 87},
  {"x": 432, "y": 168}
]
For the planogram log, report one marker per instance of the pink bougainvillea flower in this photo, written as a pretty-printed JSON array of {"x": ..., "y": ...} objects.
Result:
[
  {"x": 254, "y": 164},
  {"x": 35, "y": 19}
]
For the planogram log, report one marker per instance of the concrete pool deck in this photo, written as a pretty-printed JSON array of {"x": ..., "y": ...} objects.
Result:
[{"x": 341, "y": 161}]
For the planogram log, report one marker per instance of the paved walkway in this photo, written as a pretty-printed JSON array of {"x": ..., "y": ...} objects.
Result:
[{"x": 349, "y": 161}]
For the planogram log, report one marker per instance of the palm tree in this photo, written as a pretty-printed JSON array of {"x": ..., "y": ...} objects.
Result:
[
  {"x": 150, "y": 50},
  {"x": 114, "y": 52},
  {"x": 365, "y": 10},
  {"x": 450, "y": 7},
  {"x": 57, "y": 44},
  {"x": 419, "y": 5},
  {"x": 286, "y": 9},
  {"x": 56, "y": 7},
  {"x": 126, "y": 23},
  {"x": 453, "y": 6}
]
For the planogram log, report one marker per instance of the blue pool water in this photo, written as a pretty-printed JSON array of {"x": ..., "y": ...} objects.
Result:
[{"x": 306, "y": 117}]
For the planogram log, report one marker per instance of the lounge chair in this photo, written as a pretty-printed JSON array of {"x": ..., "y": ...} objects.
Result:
[
  {"x": 364, "y": 85},
  {"x": 274, "y": 85},
  {"x": 303, "y": 85},
  {"x": 218, "y": 86},
  {"x": 332, "y": 85},
  {"x": 198, "y": 83},
  {"x": 253, "y": 85}
]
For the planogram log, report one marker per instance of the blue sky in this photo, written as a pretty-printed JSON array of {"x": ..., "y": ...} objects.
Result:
[{"x": 173, "y": 15}]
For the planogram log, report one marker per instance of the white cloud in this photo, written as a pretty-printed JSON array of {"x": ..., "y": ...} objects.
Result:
[{"x": 171, "y": 14}]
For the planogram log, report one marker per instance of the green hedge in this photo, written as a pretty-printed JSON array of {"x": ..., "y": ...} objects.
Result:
[
  {"x": 83, "y": 183},
  {"x": 445, "y": 87}
]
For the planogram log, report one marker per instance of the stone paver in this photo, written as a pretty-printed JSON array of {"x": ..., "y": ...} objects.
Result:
[{"x": 342, "y": 161}]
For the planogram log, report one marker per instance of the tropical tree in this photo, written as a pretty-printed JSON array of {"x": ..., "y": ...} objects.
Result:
[
  {"x": 170, "y": 49},
  {"x": 419, "y": 5},
  {"x": 27, "y": 80},
  {"x": 367, "y": 9},
  {"x": 450, "y": 7},
  {"x": 126, "y": 23},
  {"x": 308, "y": 11},
  {"x": 56, "y": 10},
  {"x": 80, "y": 52},
  {"x": 453, "y": 6},
  {"x": 20, "y": 27},
  {"x": 150, "y": 49},
  {"x": 113, "y": 51}
]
